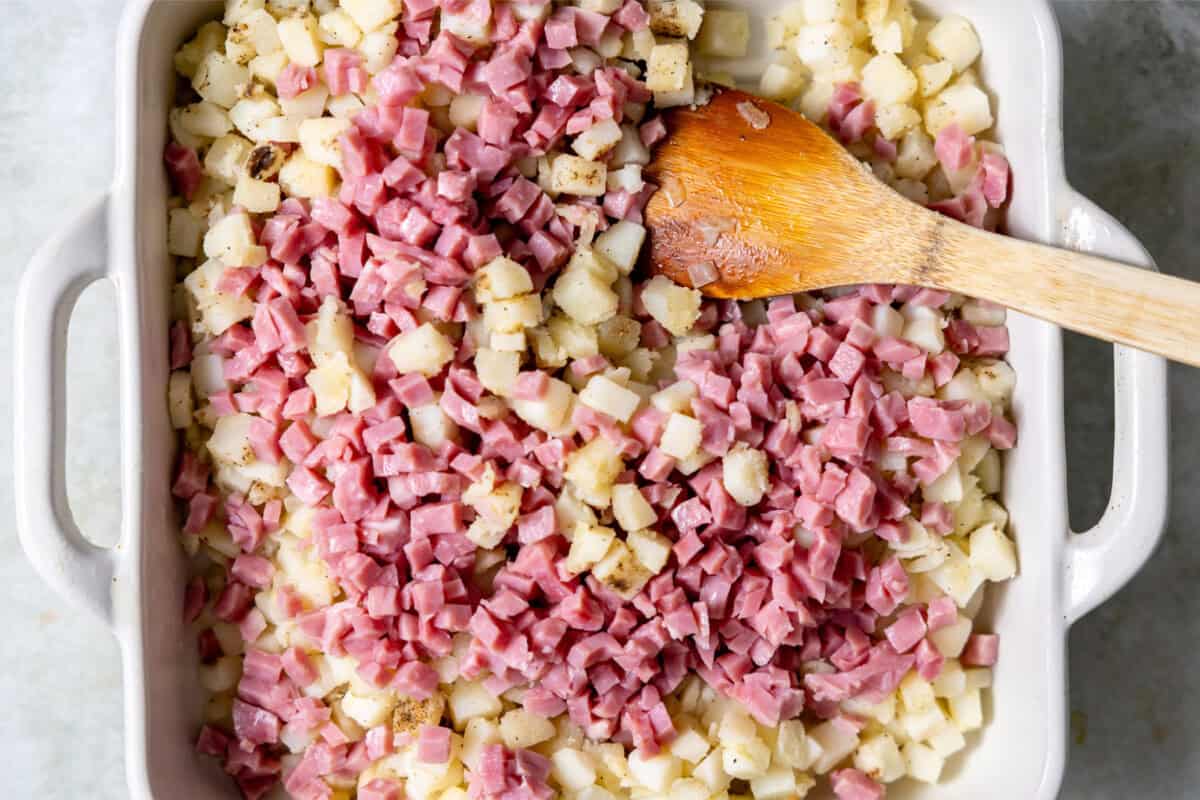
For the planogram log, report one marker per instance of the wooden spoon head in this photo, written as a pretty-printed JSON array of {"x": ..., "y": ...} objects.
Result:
[{"x": 776, "y": 209}]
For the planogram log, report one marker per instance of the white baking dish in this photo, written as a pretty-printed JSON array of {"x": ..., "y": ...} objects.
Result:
[{"x": 136, "y": 588}]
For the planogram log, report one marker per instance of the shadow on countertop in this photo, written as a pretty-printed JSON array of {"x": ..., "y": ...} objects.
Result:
[{"x": 1132, "y": 118}]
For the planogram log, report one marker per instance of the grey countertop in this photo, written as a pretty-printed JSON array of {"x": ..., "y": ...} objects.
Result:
[{"x": 1133, "y": 145}]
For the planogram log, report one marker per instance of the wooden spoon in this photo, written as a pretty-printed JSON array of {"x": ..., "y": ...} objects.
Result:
[{"x": 792, "y": 211}]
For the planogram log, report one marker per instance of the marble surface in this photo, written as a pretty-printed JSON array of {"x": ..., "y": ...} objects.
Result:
[{"x": 1133, "y": 85}]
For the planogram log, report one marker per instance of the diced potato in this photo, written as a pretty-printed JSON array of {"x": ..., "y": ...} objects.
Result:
[
  {"x": 371, "y": 14},
  {"x": 785, "y": 78},
  {"x": 577, "y": 341},
  {"x": 469, "y": 700},
  {"x": 585, "y": 297},
  {"x": 218, "y": 79},
  {"x": 501, "y": 279},
  {"x": 676, "y": 398},
  {"x": 631, "y": 509},
  {"x": 424, "y": 349},
  {"x": 997, "y": 380},
  {"x": 430, "y": 425},
  {"x": 205, "y": 119},
  {"x": 691, "y": 746},
  {"x": 656, "y": 772},
  {"x": 712, "y": 772},
  {"x": 179, "y": 399},
  {"x": 609, "y": 397},
  {"x": 347, "y": 106},
  {"x": 887, "y": 81},
  {"x": 879, "y": 757},
  {"x": 835, "y": 741},
  {"x": 266, "y": 68},
  {"x": 257, "y": 197},
  {"x": 745, "y": 475},
  {"x": 924, "y": 328},
  {"x": 746, "y": 760},
  {"x": 954, "y": 39},
  {"x": 830, "y": 10},
  {"x": 966, "y": 710},
  {"x": 777, "y": 783},
  {"x": 514, "y": 314},
  {"x": 578, "y": 176},
  {"x": 725, "y": 33},
  {"x": 549, "y": 413},
  {"x": 629, "y": 150},
  {"x": 618, "y": 336},
  {"x": 185, "y": 233},
  {"x": 934, "y": 77},
  {"x": 951, "y": 640},
  {"x": 621, "y": 571},
  {"x": 684, "y": 96},
  {"x": 368, "y": 710},
  {"x": 379, "y": 48},
  {"x": 497, "y": 371},
  {"x": 573, "y": 769},
  {"x": 231, "y": 240},
  {"x": 597, "y": 140},
  {"x": 521, "y": 729},
  {"x": 621, "y": 243},
  {"x": 592, "y": 470},
  {"x": 681, "y": 436},
  {"x": 300, "y": 39},
  {"x": 675, "y": 17},
  {"x": 675, "y": 307},
  {"x": 993, "y": 553},
  {"x": 338, "y": 28},
  {"x": 319, "y": 139},
  {"x": 227, "y": 157},
  {"x": 300, "y": 176},
  {"x": 589, "y": 544},
  {"x": 248, "y": 114},
  {"x": 922, "y": 763},
  {"x": 257, "y": 33},
  {"x": 915, "y": 156},
  {"x": 650, "y": 548},
  {"x": 814, "y": 102},
  {"x": 208, "y": 39},
  {"x": 967, "y": 106}
]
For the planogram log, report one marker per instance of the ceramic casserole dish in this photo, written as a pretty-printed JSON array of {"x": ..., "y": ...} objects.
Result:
[{"x": 137, "y": 587}]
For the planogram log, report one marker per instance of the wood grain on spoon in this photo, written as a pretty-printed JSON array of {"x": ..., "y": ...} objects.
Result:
[{"x": 791, "y": 210}]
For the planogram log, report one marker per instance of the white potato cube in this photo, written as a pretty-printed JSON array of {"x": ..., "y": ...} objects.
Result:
[
  {"x": 966, "y": 710},
  {"x": 993, "y": 553},
  {"x": 745, "y": 475},
  {"x": 968, "y": 106},
  {"x": 470, "y": 700},
  {"x": 300, "y": 40},
  {"x": 922, "y": 763},
  {"x": 951, "y": 640},
  {"x": 783, "y": 79},
  {"x": 597, "y": 140},
  {"x": 185, "y": 232},
  {"x": 725, "y": 33},
  {"x": 379, "y": 48},
  {"x": 551, "y": 411},
  {"x": 497, "y": 370},
  {"x": 924, "y": 328},
  {"x": 675, "y": 307},
  {"x": 656, "y": 772},
  {"x": 179, "y": 399},
  {"x": 319, "y": 139},
  {"x": 954, "y": 39},
  {"x": 589, "y": 544},
  {"x": 934, "y": 77},
  {"x": 514, "y": 314},
  {"x": 371, "y": 14},
  {"x": 777, "y": 783},
  {"x": 746, "y": 760},
  {"x": 887, "y": 81},
  {"x": 684, "y": 96},
  {"x": 218, "y": 79},
  {"x": 300, "y": 176},
  {"x": 424, "y": 349},
  {"x": 521, "y": 729},
  {"x": 631, "y": 509},
  {"x": 915, "y": 156},
  {"x": 681, "y": 436},
  {"x": 578, "y": 176},
  {"x": 608, "y": 397},
  {"x": 208, "y": 39},
  {"x": 231, "y": 240},
  {"x": 257, "y": 197},
  {"x": 573, "y": 769},
  {"x": 337, "y": 28},
  {"x": 676, "y": 398},
  {"x": 690, "y": 746},
  {"x": 501, "y": 279},
  {"x": 836, "y": 741},
  {"x": 830, "y": 10},
  {"x": 621, "y": 571},
  {"x": 675, "y": 17},
  {"x": 585, "y": 297},
  {"x": 205, "y": 119},
  {"x": 879, "y": 757},
  {"x": 622, "y": 242}
]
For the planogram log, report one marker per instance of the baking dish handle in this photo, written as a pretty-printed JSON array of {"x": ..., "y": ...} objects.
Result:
[
  {"x": 65, "y": 265},
  {"x": 1101, "y": 560}
]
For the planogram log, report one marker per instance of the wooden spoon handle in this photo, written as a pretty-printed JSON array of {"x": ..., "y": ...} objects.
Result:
[{"x": 1095, "y": 296}]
